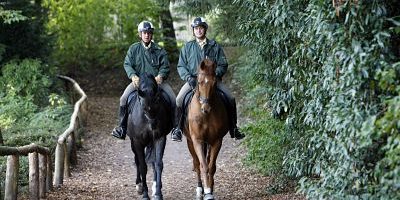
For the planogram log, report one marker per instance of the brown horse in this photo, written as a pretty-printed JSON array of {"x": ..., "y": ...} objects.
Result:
[{"x": 207, "y": 124}]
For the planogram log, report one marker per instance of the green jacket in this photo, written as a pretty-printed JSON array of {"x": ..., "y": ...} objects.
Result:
[
  {"x": 153, "y": 60},
  {"x": 191, "y": 55}
]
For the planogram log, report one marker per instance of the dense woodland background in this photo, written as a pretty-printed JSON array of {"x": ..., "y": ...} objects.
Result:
[{"x": 320, "y": 80}]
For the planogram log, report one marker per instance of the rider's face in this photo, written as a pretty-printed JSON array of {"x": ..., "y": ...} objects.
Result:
[
  {"x": 199, "y": 32},
  {"x": 146, "y": 36}
]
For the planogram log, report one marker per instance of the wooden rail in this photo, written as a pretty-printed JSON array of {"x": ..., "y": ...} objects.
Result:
[
  {"x": 39, "y": 170},
  {"x": 40, "y": 165},
  {"x": 66, "y": 144}
]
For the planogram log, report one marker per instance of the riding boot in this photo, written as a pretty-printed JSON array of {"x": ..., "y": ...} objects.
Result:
[
  {"x": 234, "y": 130},
  {"x": 120, "y": 131},
  {"x": 176, "y": 133}
]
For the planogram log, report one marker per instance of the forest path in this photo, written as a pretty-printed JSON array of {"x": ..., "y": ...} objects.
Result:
[{"x": 106, "y": 169}]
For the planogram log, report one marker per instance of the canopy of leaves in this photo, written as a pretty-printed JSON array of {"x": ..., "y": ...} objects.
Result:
[{"x": 22, "y": 30}]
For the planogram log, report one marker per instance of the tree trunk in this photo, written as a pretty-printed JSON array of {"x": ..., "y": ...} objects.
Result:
[
  {"x": 1, "y": 138},
  {"x": 168, "y": 32}
]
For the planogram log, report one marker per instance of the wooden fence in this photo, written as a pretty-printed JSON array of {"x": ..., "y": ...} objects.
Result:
[{"x": 40, "y": 165}]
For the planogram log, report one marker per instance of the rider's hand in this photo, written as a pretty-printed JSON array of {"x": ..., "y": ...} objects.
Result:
[
  {"x": 135, "y": 81},
  {"x": 159, "y": 79},
  {"x": 192, "y": 81}
]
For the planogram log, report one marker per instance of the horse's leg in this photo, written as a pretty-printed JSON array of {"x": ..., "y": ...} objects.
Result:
[
  {"x": 142, "y": 170},
  {"x": 196, "y": 168},
  {"x": 159, "y": 147},
  {"x": 139, "y": 186},
  {"x": 153, "y": 187},
  {"x": 199, "y": 148},
  {"x": 213, "y": 154}
]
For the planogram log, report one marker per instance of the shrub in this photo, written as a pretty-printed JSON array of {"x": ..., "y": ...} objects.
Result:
[
  {"x": 332, "y": 79},
  {"x": 27, "y": 78}
]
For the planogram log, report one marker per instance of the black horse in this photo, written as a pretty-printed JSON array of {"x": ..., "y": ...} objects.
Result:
[{"x": 149, "y": 122}]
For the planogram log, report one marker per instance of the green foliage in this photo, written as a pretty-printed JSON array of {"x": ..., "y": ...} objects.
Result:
[
  {"x": 266, "y": 152},
  {"x": 11, "y": 16},
  {"x": 25, "y": 37},
  {"x": 26, "y": 78},
  {"x": 93, "y": 33},
  {"x": 387, "y": 168},
  {"x": 15, "y": 108},
  {"x": 330, "y": 78},
  {"x": 42, "y": 128},
  {"x": 196, "y": 7},
  {"x": 25, "y": 86}
]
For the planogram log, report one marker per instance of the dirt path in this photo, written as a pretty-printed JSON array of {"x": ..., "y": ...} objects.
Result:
[{"x": 106, "y": 170}]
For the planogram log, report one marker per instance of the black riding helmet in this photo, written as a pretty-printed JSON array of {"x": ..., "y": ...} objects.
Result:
[{"x": 199, "y": 21}]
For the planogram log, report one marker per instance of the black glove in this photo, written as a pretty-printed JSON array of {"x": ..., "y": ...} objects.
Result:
[{"x": 192, "y": 81}]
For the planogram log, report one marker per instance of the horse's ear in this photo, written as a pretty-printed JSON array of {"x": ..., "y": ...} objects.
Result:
[
  {"x": 203, "y": 65},
  {"x": 214, "y": 66}
]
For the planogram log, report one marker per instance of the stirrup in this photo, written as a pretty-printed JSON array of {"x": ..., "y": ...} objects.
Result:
[
  {"x": 176, "y": 135},
  {"x": 119, "y": 133}
]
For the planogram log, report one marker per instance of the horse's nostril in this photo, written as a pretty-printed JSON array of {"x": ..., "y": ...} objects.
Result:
[{"x": 205, "y": 109}]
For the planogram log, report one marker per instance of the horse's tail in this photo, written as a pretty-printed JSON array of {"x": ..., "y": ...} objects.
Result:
[{"x": 150, "y": 154}]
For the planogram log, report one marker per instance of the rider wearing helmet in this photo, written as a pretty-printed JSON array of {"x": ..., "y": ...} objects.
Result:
[
  {"x": 192, "y": 53},
  {"x": 143, "y": 56}
]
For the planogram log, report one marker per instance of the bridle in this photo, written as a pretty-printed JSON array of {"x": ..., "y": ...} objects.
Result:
[
  {"x": 155, "y": 103},
  {"x": 203, "y": 100}
]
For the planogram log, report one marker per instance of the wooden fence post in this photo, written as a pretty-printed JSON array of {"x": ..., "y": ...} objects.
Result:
[
  {"x": 42, "y": 175},
  {"x": 11, "y": 187},
  {"x": 49, "y": 179},
  {"x": 67, "y": 168},
  {"x": 33, "y": 176},
  {"x": 59, "y": 165}
]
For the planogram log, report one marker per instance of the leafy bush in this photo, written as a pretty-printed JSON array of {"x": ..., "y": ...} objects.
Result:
[
  {"x": 96, "y": 33},
  {"x": 266, "y": 139},
  {"x": 27, "y": 78},
  {"x": 42, "y": 128},
  {"x": 28, "y": 112},
  {"x": 15, "y": 108},
  {"x": 333, "y": 80}
]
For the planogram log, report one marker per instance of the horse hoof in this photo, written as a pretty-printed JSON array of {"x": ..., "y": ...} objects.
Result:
[
  {"x": 158, "y": 197},
  {"x": 139, "y": 188},
  {"x": 208, "y": 196}
]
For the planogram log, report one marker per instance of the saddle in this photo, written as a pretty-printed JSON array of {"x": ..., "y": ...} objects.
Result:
[{"x": 188, "y": 98}]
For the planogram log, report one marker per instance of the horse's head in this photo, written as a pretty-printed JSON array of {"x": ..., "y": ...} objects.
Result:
[
  {"x": 148, "y": 95},
  {"x": 206, "y": 84}
]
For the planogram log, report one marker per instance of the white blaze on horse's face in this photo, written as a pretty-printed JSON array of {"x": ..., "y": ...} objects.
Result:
[{"x": 206, "y": 88}]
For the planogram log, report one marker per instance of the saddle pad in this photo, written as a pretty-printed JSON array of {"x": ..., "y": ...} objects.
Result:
[{"x": 188, "y": 98}]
